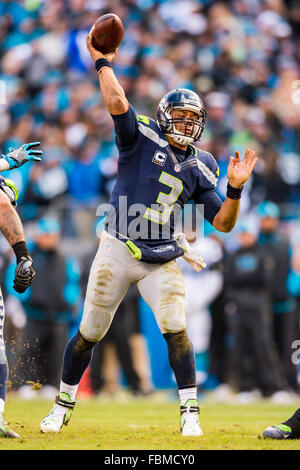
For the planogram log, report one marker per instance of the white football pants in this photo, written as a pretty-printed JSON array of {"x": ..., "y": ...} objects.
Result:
[{"x": 112, "y": 272}]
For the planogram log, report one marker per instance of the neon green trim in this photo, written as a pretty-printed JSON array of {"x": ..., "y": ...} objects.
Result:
[
  {"x": 283, "y": 427},
  {"x": 13, "y": 186},
  {"x": 143, "y": 119},
  {"x": 183, "y": 247},
  {"x": 190, "y": 402},
  {"x": 195, "y": 150},
  {"x": 134, "y": 250},
  {"x": 67, "y": 416},
  {"x": 64, "y": 396}
]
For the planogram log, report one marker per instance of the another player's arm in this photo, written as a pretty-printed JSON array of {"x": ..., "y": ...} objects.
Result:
[
  {"x": 23, "y": 154},
  {"x": 10, "y": 223},
  {"x": 112, "y": 92},
  {"x": 12, "y": 228},
  {"x": 3, "y": 164},
  {"x": 238, "y": 173}
]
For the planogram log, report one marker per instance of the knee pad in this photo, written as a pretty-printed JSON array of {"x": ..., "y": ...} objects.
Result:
[
  {"x": 179, "y": 341},
  {"x": 81, "y": 345}
]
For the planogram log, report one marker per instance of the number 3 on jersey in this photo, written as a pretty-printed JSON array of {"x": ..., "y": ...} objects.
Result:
[{"x": 167, "y": 201}]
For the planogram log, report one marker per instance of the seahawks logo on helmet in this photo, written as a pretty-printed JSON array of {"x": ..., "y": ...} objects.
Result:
[{"x": 182, "y": 99}]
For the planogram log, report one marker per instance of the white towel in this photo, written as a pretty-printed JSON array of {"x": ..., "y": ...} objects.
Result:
[{"x": 190, "y": 255}]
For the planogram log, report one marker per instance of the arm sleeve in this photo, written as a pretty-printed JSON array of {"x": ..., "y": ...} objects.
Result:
[
  {"x": 126, "y": 127},
  {"x": 211, "y": 202}
]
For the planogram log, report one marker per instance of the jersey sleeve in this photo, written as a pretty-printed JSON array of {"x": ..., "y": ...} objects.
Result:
[
  {"x": 205, "y": 192},
  {"x": 211, "y": 202},
  {"x": 126, "y": 128}
]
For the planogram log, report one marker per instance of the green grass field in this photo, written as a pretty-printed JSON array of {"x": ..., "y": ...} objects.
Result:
[{"x": 145, "y": 424}]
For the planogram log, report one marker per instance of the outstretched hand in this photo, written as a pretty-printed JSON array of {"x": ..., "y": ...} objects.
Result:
[
  {"x": 239, "y": 171},
  {"x": 25, "y": 153}
]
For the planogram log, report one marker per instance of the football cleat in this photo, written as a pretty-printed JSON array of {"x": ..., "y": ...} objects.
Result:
[
  {"x": 58, "y": 417},
  {"x": 279, "y": 431},
  {"x": 5, "y": 431},
  {"x": 189, "y": 420}
]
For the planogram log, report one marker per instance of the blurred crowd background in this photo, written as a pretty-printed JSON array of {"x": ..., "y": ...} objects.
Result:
[{"x": 243, "y": 58}]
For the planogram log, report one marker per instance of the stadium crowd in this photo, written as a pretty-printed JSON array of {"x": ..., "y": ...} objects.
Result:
[{"x": 243, "y": 58}]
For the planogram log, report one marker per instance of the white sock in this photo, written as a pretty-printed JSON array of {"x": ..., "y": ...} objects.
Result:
[
  {"x": 186, "y": 394},
  {"x": 2, "y": 403},
  {"x": 71, "y": 390}
]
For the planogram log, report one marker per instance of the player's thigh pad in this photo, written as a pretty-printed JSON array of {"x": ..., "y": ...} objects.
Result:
[
  {"x": 107, "y": 285},
  {"x": 164, "y": 291}
]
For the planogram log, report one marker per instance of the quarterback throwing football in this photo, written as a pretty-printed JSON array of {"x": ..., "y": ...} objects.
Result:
[{"x": 159, "y": 168}]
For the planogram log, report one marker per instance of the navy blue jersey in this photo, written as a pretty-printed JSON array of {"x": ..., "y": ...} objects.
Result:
[{"x": 155, "y": 180}]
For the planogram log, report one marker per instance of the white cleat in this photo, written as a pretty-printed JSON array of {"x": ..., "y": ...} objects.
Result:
[
  {"x": 52, "y": 423},
  {"x": 59, "y": 415},
  {"x": 189, "y": 420}
]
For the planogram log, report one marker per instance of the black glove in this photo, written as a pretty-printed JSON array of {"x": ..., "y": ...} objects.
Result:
[{"x": 24, "y": 274}]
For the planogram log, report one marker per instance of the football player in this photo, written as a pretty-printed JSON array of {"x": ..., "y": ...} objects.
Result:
[
  {"x": 12, "y": 229},
  {"x": 289, "y": 429},
  {"x": 159, "y": 167}
]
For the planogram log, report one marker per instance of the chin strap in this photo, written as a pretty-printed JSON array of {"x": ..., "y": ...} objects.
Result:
[{"x": 184, "y": 140}]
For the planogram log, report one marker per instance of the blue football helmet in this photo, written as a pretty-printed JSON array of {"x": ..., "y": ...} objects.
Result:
[{"x": 183, "y": 99}]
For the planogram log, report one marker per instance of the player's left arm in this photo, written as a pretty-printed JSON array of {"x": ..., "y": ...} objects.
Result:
[
  {"x": 238, "y": 172},
  {"x": 17, "y": 158},
  {"x": 12, "y": 228}
]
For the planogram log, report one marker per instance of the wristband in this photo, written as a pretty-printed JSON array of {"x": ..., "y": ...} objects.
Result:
[
  {"x": 102, "y": 63},
  {"x": 234, "y": 193},
  {"x": 20, "y": 249}
]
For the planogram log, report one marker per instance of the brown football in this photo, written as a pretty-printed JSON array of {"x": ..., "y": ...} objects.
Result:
[{"x": 107, "y": 33}]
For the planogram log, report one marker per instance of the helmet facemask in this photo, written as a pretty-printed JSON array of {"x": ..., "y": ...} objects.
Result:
[{"x": 192, "y": 128}]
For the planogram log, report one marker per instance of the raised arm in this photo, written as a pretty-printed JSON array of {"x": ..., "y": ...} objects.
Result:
[
  {"x": 112, "y": 92},
  {"x": 10, "y": 223},
  {"x": 238, "y": 173},
  {"x": 17, "y": 158}
]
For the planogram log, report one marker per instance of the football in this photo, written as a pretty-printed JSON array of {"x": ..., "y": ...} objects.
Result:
[{"x": 107, "y": 33}]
